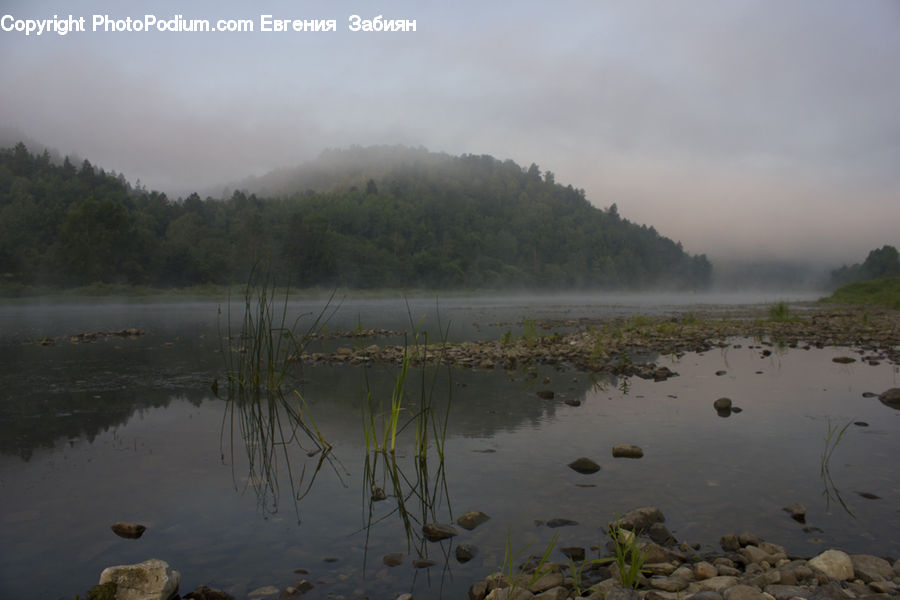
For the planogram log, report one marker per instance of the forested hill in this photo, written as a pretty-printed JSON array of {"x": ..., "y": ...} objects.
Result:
[{"x": 363, "y": 217}]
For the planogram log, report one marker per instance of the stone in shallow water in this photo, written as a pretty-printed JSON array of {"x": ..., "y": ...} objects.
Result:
[
  {"x": 561, "y": 523},
  {"x": 466, "y": 552},
  {"x": 722, "y": 404},
  {"x": 546, "y": 394},
  {"x": 436, "y": 531},
  {"x": 890, "y": 397},
  {"x": 128, "y": 530},
  {"x": 584, "y": 465},
  {"x": 393, "y": 559},
  {"x": 472, "y": 519},
  {"x": 844, "y": 360},
  {"x": 205, "y": 592},
  {"x": 640, "y": 519},
  {"x": 627, "y": 451},
  {"x": 797, "y": 512}
]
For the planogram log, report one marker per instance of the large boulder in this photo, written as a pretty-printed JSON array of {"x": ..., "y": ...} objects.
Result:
[{"x": 152, "y": 579}]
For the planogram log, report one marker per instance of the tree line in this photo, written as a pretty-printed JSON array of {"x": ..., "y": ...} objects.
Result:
[
  {"x": 428, "y": 220},
  {"x": 881, "y": 262}
]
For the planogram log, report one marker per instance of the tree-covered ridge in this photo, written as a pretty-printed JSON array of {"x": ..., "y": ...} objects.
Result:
[
  {"x": 357, "y": 218},
  {"x": 881, "y": 262}
]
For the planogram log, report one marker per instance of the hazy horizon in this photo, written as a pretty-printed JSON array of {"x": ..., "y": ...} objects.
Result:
[{"x": 744, "y": 129}]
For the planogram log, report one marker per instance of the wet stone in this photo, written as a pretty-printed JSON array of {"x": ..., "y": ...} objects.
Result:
[
  {"x": 627, "y": 451},
  {"x": 466, "y": 552},
  {"x": 584, "y": 465},
  {"x": 436, "y": 531},
  {"x": 393, "y": 559},
  {"x": 472, "y": 519}
]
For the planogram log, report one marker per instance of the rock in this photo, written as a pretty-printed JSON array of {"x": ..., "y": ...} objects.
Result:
[
  {"x": 720, "y": 373},
  {"x": 660, "y": 534},
  {"x": 668, "y": 584},
  {"x": 871, "y": 568},
  {"x": 797, "y": 512},
  {"x": 883, "y": 587},
  {"x": 786, "y": 592},
  {"x": 509, "y": 593},
  {"x": 730, "y": 542},
  {"x": 204, "y": 592},
  {"x": 393, "y": 559},
  {"x": 292, "y": 592},
  {"x": 844, "y": 360},
  {"x": 266, "y": 590},
  {"x": 640, "y": 519},
  {"x": 423, "y": 563},
  {"x": 627, "y": 451},
  {"x": 744, "y": 592},
  {"x": 722, "y": 404},
  {"x": 890, "y": 398},
  {"x": 749, "y": 539},
  {"x": 546, "y": 582},
  {"x": 704, "y": 570},
  {"x": 835, "y": 564},
  {"x": 436, "y": 531},
  {"x": 466, "y": 552},
  {"x": 557, "y": 593},
  {"x": 128, "y": 530},
  {"x": 561, "y": 522},
  {"x": 707, "y": 595},
  {"x": 150, "y": 580},
  {"x": 478, "y": 590},
  {"x": 715, "y": 584},
  {"x": 546, "y": 394},
  {"x": 623, "y": 594},
  {"x": 829, "y": 591},
  {"x": 575, "y": 553},
  {"x": 472, "y": 519},
  {"x": 584, "y": 465}
]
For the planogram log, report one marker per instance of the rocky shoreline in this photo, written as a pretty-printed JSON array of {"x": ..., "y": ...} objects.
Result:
[
  {"x": 616, "y": 345},
  {"x": 748, "y": 568}
]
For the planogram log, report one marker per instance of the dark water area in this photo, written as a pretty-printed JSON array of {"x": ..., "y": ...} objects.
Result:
[{"x": 128, "y": 429}]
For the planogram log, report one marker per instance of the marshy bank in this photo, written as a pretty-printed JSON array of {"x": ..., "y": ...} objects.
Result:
[{"x": 127, "y": 429}]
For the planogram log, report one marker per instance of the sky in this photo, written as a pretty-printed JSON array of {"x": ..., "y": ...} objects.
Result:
[{"x": 755, "y": 129}]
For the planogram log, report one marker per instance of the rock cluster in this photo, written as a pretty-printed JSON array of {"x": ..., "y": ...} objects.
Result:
[
  {"x": 611, "y": 345},
  {"x": 748, "y": 568}
]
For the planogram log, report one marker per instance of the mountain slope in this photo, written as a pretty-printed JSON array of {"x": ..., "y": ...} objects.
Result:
[{"x": 362, "y": 217}]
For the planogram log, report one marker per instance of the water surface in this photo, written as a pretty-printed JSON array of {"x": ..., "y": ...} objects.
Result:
[{"x": 129, "y": 429}]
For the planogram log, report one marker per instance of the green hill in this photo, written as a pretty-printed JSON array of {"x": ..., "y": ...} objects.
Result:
[{"x": 361, "y": 217}]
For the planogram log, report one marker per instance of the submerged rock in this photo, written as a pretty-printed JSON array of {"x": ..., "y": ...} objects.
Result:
[
  {"x": 797, "y": 512},
  {"x": 472, "y": 519},
  {"x": 205, "y": 592},
  {"x": 466, "y": 552},
  {"x": 436, "y": 531}
]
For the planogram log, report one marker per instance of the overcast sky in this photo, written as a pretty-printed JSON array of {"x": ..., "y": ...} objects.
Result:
[{"x": 758, "y": 128}]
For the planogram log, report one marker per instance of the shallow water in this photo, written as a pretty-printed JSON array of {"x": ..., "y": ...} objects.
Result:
[{"x": 128, "y": 429}]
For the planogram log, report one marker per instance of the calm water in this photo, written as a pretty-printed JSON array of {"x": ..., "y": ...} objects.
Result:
[{"x": 128, "y": 429}]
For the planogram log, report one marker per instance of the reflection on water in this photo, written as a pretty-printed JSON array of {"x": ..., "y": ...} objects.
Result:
[{"x": 129, "y": 430}]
